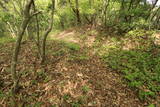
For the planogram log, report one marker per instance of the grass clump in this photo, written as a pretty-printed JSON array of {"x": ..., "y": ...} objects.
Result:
[
  {"x": 79, "y": 58},
  {"x": 6, "y": 39},
  {"x": 2, "y": 95},
  {"x": 85, "y": 89},
  {"x": 73, "y": 46}
]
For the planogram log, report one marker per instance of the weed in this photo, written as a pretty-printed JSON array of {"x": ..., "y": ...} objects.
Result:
[
  {"x": 48, "y": 78},
  {"x": 73, "y": 46},
  {"x": 144, "y": 95},
  {"x": 34, "y": 82},
  {"x": 41, "y": 74},
  {"x": 151, "y": 105},
  {"x": 6, "y": 39},
  {"x": 85, "y": 89},
  {"x": 2, "y": 95},
  {"x": 37, "y": 104},
  {"x": 82, "y": 99},
  {"x": 75, "y": 104},
  {"x": 83, "y": 37},
  {"x": 79, "y": 57},
  {"x": 59, "y": 52},
  {"x": 66, "y": 97},
  {"x": 92, "y": 32}
]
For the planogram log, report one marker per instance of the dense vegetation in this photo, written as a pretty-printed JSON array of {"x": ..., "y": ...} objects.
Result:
[{"x": 79, "y": 53}]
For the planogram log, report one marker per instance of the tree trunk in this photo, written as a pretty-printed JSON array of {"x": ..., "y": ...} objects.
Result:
[
  {"x": 37, "y": 31},
  {"x": 130, "y": 5},
  {"x": 75, "y": 9},
  {"x": 47, "y": 32},
  {"x": 150, "y": 10},
  {"x": 106, "y": 4},
  {"x": 77, "y": 12},
  {"x": 18, "y": 45}
]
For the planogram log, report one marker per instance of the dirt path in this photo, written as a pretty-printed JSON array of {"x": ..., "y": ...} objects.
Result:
[
  {"x": 67, "y": 36},
  {"x": 75, "y": 37}
]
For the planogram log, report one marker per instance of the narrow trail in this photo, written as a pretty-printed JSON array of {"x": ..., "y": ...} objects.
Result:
[
  {"x": 67, "y": 36},
  {"x": 75, "y": 37},
  {"x": 108, "y": 89}
]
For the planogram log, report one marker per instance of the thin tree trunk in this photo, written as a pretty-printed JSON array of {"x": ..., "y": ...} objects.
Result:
[
  {"x": 106, "y": 4},
  {"x": 11, "y": 30},
  {"x": 75, "y": 9},
  {"x": 130, "y": 5},
  {"x": 18, "y": 45},
  {"x": 38, "y": 38},
  {"x": 155, "y": 14},
  {"x": 77, "y": 12},
  {"x": 46, "y": 33},
  {"x": 122, "y": 8},
  {"x": 150, "y": 10}
]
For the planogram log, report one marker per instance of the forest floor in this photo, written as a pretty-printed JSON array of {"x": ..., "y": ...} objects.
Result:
[{"x": 74, "y": 75}]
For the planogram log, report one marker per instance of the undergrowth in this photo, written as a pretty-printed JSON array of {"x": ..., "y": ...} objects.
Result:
[
  {"x": 141, "y": 70},
  {"x": 6, "y": 40},
  {"x": 140, "y": 66}
]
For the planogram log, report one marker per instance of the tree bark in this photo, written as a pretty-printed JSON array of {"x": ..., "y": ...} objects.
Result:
[
  {"x": 155, "y": 14},
  {"x": 18, "y": 45},
  {"x": 106, "y": 4},
  {"x": 37, "y": 31},
  {"x": 130, "y": 5},
  {"x": 75, "y": 9},
  {"x": 150, "y": 10},
  {"x": 46, "y": 33},
  {"x": 77, "y": 12}
]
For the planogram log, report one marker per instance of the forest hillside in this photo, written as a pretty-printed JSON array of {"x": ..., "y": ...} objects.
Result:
[{"x": 79, "y": 53}]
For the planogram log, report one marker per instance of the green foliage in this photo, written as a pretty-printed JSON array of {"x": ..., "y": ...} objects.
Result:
[
  {"x": 143, "y": 95},
  {"x": 66, "y": 97},
  {"x": 6, "y": 39},
  {"x": 38, "y": 104},
  {"x": 41, "y": 74},
  {"x": 64, "y": 11},
  {"x": 101, "y": 12},
  {"x": 151, "y": 105},
  {"x": 60, "y": 52},
  {"x": 82, "y": 99},
  {"x": 140, "y": 69},
  {"x": 2, "y": 95},
  {"x": 34, "y": 82},
  {"x": 8, "y": 21},
  {"x": 79, "y": 57},
  {"x": 2, "y": 24},
  {"x": 139, "y": 33},
  {"x": 76, "y": 104},
  {"x": 141, "y": 38},
  {"x": 73, "y": 46},
  {"x": 85, "y": 89},
  {"x": 140, "y": 66},
  {"x": 89, "y": 8}
]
